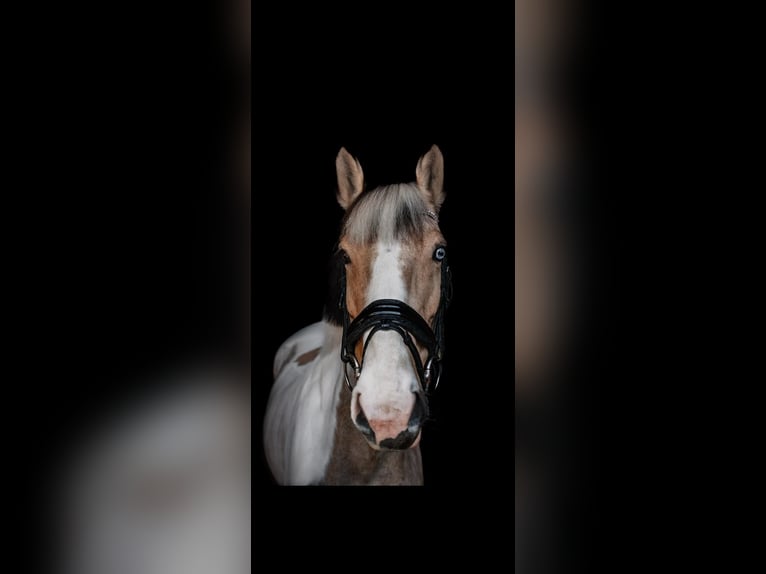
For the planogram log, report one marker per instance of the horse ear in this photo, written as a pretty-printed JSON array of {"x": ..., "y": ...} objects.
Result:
[
  {"x": 430, "y": 176},
  {"x": 350, "y": 178}
]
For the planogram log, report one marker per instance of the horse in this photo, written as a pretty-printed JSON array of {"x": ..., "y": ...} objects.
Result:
[{"x": 350, "y": 392}]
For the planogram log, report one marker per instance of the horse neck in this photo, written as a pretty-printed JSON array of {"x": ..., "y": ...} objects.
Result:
[{"x": 354, "y": 462}]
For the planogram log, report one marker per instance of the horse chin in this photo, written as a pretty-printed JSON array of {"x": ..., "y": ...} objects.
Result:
[{"x": 385, "y": 447}]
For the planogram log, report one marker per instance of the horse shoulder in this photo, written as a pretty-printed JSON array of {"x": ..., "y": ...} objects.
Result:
[
  {"x": 300, "y": 417},
  {"x": 303, "y": 341}
]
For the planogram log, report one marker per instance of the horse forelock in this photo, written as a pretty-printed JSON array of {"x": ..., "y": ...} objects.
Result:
[{"x": 388, "y": 213}]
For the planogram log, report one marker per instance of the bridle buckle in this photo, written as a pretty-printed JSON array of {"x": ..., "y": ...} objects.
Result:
[{"x": 350, "y": 360}]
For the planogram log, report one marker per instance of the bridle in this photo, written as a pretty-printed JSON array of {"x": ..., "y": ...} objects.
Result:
[{"x": 395, "y": 315}]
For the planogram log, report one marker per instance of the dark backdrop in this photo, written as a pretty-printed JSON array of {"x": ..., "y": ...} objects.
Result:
[
  {"x": 129, "y": 236},
  {"x": 125, "y": 229},
  {"x": 387, "y": 107}
]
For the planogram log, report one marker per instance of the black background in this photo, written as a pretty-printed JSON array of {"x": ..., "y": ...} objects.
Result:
[
  {"x": 143, "y": 229},
  {"x": 387, "y": 92},
  {"x": 130, "y": 231},
  {"x": 122, "y": 252},
  {"x": 125, "y": 230},
  {"x": 387, "y": 104}
]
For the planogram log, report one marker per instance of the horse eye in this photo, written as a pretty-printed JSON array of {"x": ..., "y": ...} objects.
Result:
[
  {"x": 440, "y": 253},
  {"x": 346, "y": 258}
]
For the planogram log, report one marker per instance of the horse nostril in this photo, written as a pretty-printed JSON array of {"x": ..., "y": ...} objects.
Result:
[
  {"x": 362, "y": 423},
  {"x": 418, "y": 415},
  {"x": 402, "y": 441},
  {"x": 406, "y": 438},
  {"x": 390, "y": 431}
]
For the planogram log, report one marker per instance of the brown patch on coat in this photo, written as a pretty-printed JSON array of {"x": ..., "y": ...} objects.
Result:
[
  {"x": 354, "y": 462},
  {"x": 358, "y": 274},
  {"x": 307, "y": 357},
  {"x": 422, "y": 275}
]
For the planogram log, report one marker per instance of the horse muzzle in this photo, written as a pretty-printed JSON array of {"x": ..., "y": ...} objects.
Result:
[{"x": 392, "y": 430}]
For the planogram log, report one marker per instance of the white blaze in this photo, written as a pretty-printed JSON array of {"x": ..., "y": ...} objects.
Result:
[{"x": 388, "y": 378}]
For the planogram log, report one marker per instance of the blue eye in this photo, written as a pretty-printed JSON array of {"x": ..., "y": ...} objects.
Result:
[{"x": 440, "y": 253}]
